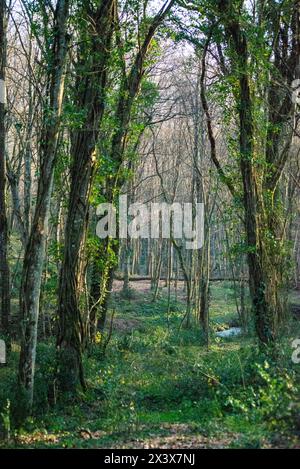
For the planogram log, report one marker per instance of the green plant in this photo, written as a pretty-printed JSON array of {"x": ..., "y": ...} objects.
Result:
[
  {"x": 270, "y": 398},
  {"x": 6, "y": 421}
]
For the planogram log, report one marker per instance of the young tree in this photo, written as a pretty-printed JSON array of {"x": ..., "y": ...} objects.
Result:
[
  {"x": 35, "y": 248},
  {"x": 4, "y": 265}
]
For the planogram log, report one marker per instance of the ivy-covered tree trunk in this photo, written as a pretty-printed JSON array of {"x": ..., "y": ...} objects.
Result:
[
  {"x": 101, "y": 285},
  {"x": 260, "y": 177},
  {"x": 91, "y": 82}
]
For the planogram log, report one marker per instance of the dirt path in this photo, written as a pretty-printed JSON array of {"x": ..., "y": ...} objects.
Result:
[{"x": 178, "y": 436}]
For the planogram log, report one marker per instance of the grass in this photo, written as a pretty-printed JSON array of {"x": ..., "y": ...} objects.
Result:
[{"x": 162, "y": 386}]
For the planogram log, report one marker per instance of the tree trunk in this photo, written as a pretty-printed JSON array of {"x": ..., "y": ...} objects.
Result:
[
  {"x": 91, "y": 86},
  {"x": 4, "y": 265},
  {"x": 260, "y": 198},
  {"x": 35, "y": 248},
  {"x": 204, "y": 286},
  {"x": 259, "y": 280}
]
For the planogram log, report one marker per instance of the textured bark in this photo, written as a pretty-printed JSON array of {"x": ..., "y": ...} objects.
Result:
[
  {"x": 257, "y": 272},
  {"x": 260, "y": 200},
  {"x": 91, "y": 86},
  {"x": 35, "y": 248},
  {"x": 13, "y": 179},
  {"x": 128, "y": 245},
  {"x": 204, "y": 285},
  {"x": 4, "y": 265}
]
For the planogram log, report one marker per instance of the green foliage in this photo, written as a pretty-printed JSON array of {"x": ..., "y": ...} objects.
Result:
[
  {"x": 5, "y": 422},
  {"x": 154, "y": 376},
  {"x": 271, "y": 399}
]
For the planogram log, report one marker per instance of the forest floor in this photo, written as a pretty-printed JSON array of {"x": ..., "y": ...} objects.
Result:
[{"x": 160, "y": 386}]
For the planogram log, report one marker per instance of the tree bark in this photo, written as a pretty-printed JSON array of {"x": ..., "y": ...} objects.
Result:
[
  {"x": 35, "y": 248},
  {"x": 259, "y": 186},
  {"x": 91, "y": 87},
  {"x": 4, "y": 265}
]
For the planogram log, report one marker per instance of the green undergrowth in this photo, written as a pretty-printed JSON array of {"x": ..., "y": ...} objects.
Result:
[{"x": 159, "y": 380}]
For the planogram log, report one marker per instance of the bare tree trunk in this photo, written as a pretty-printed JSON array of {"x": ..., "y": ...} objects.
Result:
[
  {"x": 128, "y": 245},
  {"x": 157, "y": 276},
  {"x": 169, "y": 279},
  {"x": 35, "y": 248},
  {"x": 204, "y": 285},
  {"x": 127, "y": 265},
  {"x": 13, "y": 179},
  {"x": 4, "y": 265}
]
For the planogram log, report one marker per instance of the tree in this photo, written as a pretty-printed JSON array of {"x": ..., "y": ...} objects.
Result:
[
  {"x": 72, "y": 327},
  {"x": 35, "y": 248},
  {"x": 128, "y": 92},
  {"x": 91, "y": 82},
  {"x": 4, "y": 265},
  {"x": 263, "y": 153}
]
